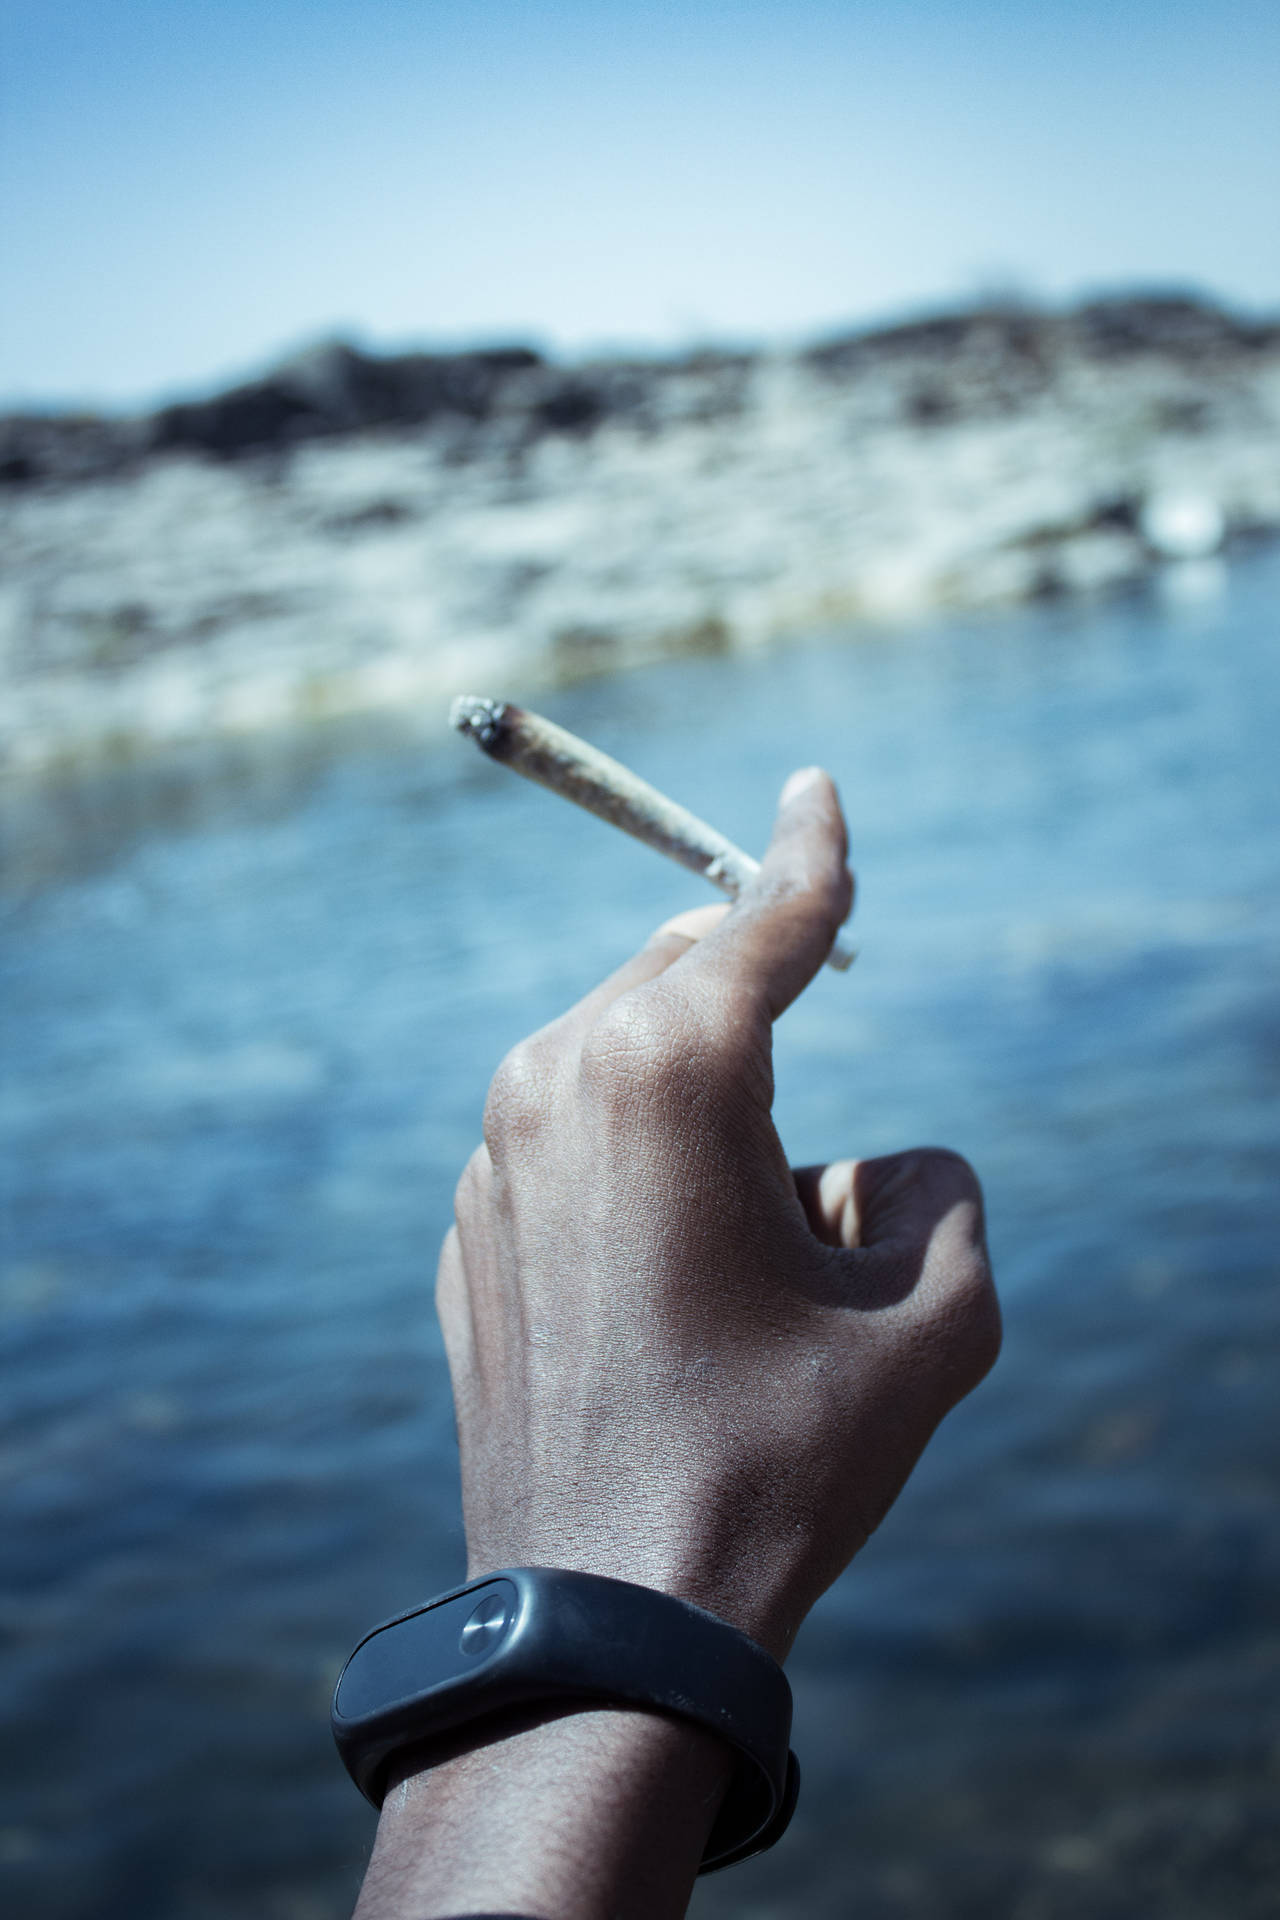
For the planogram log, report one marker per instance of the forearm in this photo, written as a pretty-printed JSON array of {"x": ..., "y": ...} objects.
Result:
[{"x": 598, "y": 1815}]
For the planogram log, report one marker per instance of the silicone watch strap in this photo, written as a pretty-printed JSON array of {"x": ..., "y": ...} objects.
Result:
[{"x": 528, "y": 1635}]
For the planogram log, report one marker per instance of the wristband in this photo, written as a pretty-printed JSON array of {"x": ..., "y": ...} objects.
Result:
[{"x": 534, "y": 1635}]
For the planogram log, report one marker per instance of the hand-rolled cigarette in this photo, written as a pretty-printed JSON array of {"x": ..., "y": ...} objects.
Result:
[{"x": 556, "y": 758}]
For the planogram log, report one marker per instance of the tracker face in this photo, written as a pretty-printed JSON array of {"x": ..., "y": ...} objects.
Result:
[{"x": 428, "y": 1649}]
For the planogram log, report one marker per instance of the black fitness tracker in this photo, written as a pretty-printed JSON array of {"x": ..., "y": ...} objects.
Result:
[{"x": 533, "y": 1634}]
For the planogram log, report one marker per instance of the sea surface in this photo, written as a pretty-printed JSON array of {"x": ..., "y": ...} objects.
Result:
[{"x": 251, "y": 1001}]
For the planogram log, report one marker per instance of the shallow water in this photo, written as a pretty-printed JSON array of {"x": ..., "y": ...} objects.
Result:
[{"x": 250, "y": 1009}]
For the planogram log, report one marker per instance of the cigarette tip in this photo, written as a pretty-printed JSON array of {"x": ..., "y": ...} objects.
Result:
[{"x": 472, "y": 714}]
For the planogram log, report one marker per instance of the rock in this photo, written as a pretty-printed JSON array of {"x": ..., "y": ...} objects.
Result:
[
  {"x": 1177, "y": 326},
  {"x": 334, "y": 389},
  {"x": 352, "y": 532}
]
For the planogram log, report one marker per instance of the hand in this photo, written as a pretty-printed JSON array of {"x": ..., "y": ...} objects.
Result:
[{"x": 674, "y": 1361}]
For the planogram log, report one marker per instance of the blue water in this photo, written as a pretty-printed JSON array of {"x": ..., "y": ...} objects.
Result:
[{"x": 250, "y": 1007}]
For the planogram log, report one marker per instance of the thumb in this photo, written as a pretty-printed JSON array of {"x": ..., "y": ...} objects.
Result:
[
  {"x": 921, "y": 1212},
  {"x": 902, "y": 1199},
  {"x": 895, "y": 1200}
]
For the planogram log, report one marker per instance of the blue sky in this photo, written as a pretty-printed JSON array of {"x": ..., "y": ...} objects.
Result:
[{"x": 187, "y": 189}]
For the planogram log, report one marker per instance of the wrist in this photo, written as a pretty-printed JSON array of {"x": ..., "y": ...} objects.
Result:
[
  {"x": 731, "y": 1577},
  {"x": 537, "y": 1641},
  {"x": 592, "y": 1813}
]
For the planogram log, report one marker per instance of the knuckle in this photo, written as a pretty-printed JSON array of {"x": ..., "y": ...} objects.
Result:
[
  {"x": 956, "y": 1165},
  {"x": 944, "y": 1180},
  {"x": 967, "y": 1308},
  {"x": 970, "y": 1327},
  {"x": 958, "y": 1301},
  {"x": 517, "y": 1098},
  {"x": 451, "y": 1284},
  {"x": 779, "y": 888},
  {"x": 821, "y": 892},
  {"x": 988, "y": 1332},
  {"x": 645, "y": 1050},
  {"x": 629, "y": 1047},
  {"x": 944, "y": 1165},
  {"x": 969, "y": 1282},
  {"x": 469, "y": 1194},
  {"x": 446, "y": 1287}
]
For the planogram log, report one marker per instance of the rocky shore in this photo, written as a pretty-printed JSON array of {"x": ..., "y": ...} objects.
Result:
[{"x": 353, "y": 533}]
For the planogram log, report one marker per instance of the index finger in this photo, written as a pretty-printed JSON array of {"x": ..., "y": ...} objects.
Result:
[{"x": 782, "y": 926}]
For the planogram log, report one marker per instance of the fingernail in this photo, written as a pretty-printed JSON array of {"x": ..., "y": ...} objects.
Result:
[{"x": 799, "y": 782}]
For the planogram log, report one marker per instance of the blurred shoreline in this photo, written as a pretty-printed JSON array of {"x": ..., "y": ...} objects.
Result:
[{"x": 352, "y": 535}]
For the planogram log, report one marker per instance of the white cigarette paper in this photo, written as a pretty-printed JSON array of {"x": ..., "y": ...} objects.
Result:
[{"x": 556, "y": 758}]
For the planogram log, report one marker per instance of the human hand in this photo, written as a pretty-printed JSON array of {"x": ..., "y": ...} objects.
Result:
[{"x": 673, "y": 1360}]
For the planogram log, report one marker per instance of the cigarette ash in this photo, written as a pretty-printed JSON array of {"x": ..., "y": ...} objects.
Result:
[{"x": 481, "y": 719}]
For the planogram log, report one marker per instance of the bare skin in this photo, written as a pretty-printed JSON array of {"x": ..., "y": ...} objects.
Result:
[{"x": 678, "y": 1362}]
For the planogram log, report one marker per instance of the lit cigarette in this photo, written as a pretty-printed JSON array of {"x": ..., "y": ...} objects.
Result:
[{"x": 555, "y": 758}]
